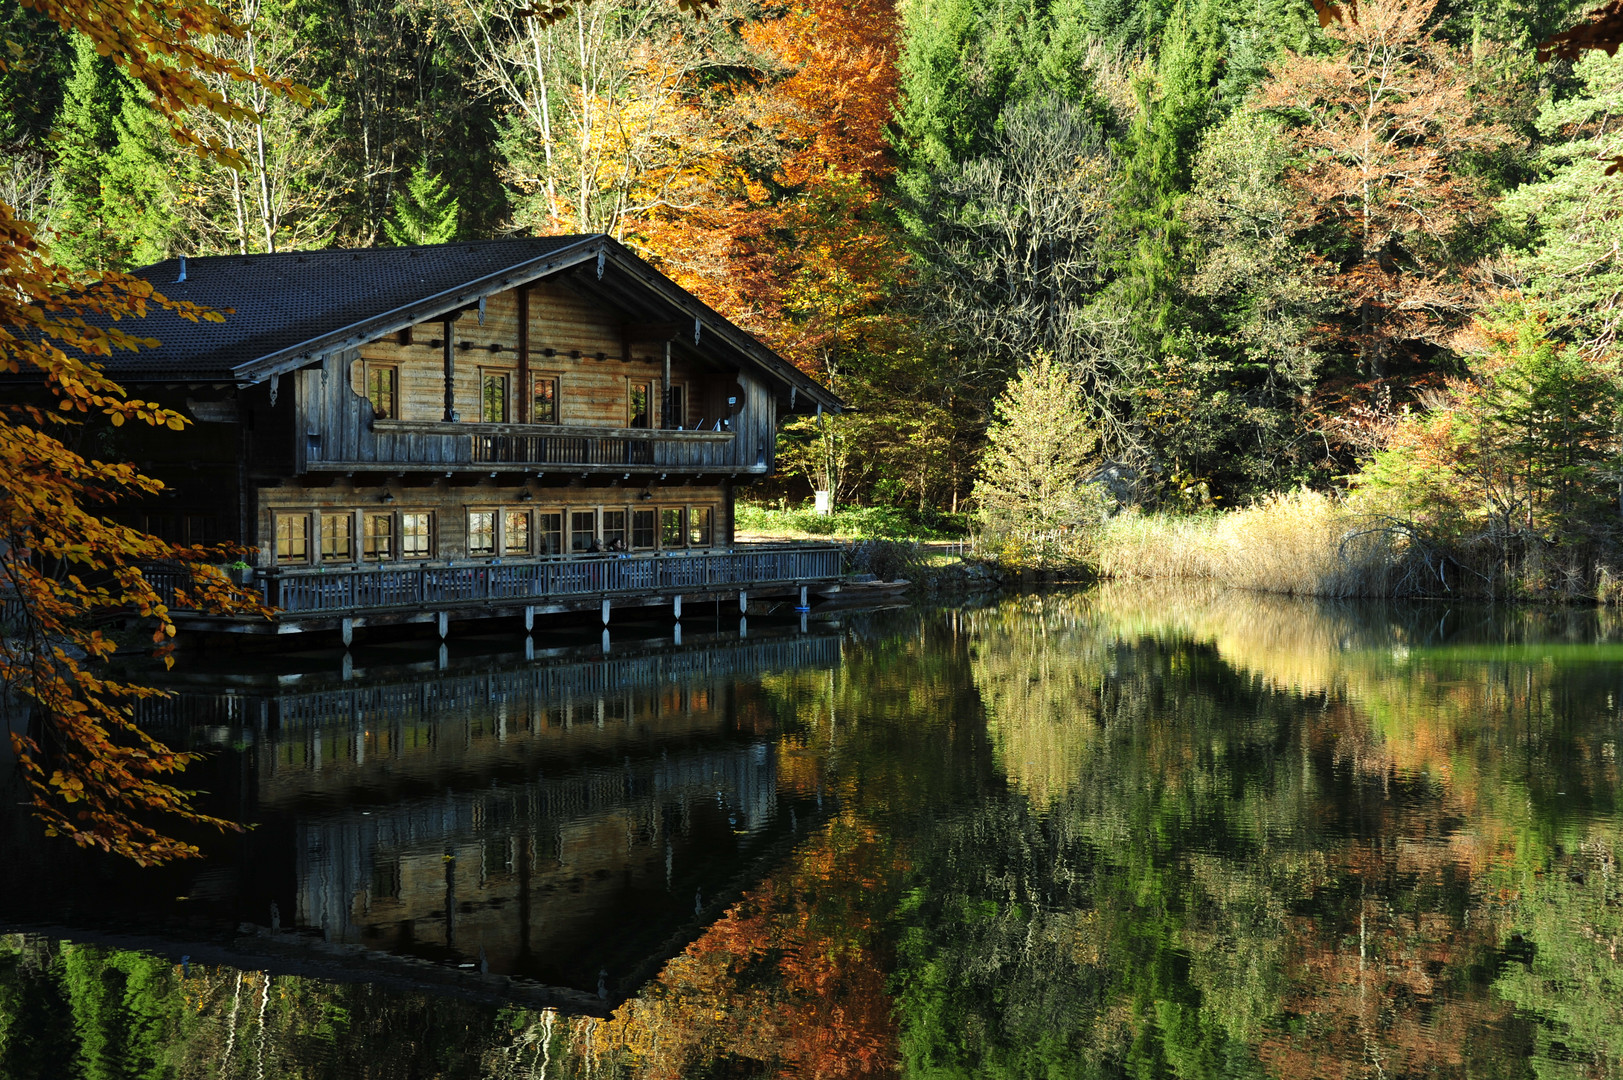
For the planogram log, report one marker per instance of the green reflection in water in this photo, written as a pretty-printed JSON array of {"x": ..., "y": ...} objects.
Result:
[{"x": 1107, "y": 834}]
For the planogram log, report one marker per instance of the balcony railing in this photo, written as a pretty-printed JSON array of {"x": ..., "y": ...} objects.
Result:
[
  {"x": 437, "y": 443},
  {"x": 338, "y": 590},
  {"x": 562, "y": 450}
]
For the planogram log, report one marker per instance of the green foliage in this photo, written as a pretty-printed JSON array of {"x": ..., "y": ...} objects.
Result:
[
  {"x": 850, "y": 522},
  {"x": 1032, "y": 496},
  {"x": 425, "y": 211},
  {"x": 86, "y": 238}
]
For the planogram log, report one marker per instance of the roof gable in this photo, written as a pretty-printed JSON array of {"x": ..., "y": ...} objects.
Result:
[{"x": 288, "y": 309}]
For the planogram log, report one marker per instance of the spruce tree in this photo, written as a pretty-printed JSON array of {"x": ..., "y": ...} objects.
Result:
[
  {"x": 424, "y": 213},
  {"x": 143, "y": 184},
  {"x": 85, "y": 239},
  {"x": 1033, "y": 496}
]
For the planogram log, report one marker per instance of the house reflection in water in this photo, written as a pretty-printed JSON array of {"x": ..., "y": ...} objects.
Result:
[{"x": 573, "y": 822}]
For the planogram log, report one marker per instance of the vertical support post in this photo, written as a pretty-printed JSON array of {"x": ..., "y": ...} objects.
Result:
[
  {"x": 743, "y": 602},
  {"x": 529, "y": 618},
  {"x": 803, "y": 602},
  {"x": 665, "y": 418},
  {"x": 444, "y": 624},
  {"x": 526, "y": 391},
  {"x": 605, "y": 613},
  {"x": 450, "y": 372},
  {"x": 676, "y": 608},
  {"x": 346, "y": 630}
]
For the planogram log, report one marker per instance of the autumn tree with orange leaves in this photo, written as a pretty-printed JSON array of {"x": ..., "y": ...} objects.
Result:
[
  {"x": 67, "y": 570},
  {"x": 1383, "y": 128}
]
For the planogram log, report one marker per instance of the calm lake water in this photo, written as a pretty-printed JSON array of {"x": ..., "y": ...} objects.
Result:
[{"x": 1108, "y": 833}]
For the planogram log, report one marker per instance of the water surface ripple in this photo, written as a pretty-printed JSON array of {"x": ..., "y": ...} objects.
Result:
[{"x": 1109, "y": 833}]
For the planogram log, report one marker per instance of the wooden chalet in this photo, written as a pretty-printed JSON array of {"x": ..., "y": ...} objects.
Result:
[{"x": 465, "y": 430}]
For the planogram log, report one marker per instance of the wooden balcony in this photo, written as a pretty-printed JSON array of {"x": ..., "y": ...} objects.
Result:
[
  {"x": 403, "y": 443},
  {"x": 474, "y": 589}
]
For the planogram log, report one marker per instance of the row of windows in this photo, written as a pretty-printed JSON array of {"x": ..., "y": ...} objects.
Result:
[
  {"x": 387, "y": 535},
  {"x": 495, "y": 397}
]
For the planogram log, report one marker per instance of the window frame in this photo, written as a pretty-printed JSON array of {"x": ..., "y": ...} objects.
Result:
[
  {"x": 504, "y": 542},
  {"x": 392, "y": 368},
  {"x": 368, "y": 546},
  {"x": 432, "y": 534},
  {"x": 278, "y": 518},
  {"x": 541, "y": 533},
  {"x": 557, "y": 380},
  {"x": 681, "y": 528},
  {"x": 495, "y": 517},
  {"x": 709, "y": 511},
  {"x": 505, "y": 374},
  {"x": 323, "y": 517},
  {"x": 653, "y": 529},
  {"x": 596, "y": 536},
  {"x": 633, "y": 382}
]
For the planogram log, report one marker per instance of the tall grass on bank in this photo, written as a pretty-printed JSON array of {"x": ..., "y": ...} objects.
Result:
[{"x": 1301, "y": 543}]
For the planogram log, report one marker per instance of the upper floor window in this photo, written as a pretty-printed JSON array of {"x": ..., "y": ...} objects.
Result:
[
  {"x": 637, "y": 405},
  {"x": 493, "y": 397},
  {"x": 292, "y": 538},
  {"x": 676, "y": 415},
  {"x": 383, "y": 390},
  {"x": 545, "y": 409}
]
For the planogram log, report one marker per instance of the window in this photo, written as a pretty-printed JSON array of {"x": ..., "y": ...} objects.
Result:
[
  {"x": 642, "y": 529},
  {"x": 671, "y": 532},
  {"x": 481, "y": 532},
  {"x": 416, "y": 535},
  {"x": 162, "y": 526},
  {"x": 202, "y": 529},
  {"x": 337, "y": 537},
  {"x": 678, "y": 415},
  {"x": 516, "y": 532},
  {"x": 292, "y": 538},
  {"x": 545, "y": 410},
  {"x": 377, "y": 537},
  {"x": 383, "y": 390},
  {"x": 493, "y": 397},
  {"x": 582, "y": 530},
  {"x": 637, "y": 405},
  {"x": 700, "y": 519},
  {"x": 549, "y": 529},
  {"x": 614, "y": 530}
]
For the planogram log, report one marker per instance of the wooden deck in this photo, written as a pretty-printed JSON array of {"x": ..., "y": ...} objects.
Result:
[{"x": 322, "y": 597}]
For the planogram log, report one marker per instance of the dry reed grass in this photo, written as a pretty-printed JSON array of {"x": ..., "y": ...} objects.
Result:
[{"x": 1301, "y": 543}]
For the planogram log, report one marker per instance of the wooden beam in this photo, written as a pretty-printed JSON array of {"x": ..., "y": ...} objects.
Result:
[
  {"x": 450, "y": 374},
  {"x": 526, "y": 392}
]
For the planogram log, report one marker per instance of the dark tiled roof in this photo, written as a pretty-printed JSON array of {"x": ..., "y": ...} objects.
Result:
[{"x": 284, "y": 300}]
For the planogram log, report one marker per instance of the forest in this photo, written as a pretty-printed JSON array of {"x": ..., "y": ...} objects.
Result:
[{"x": 1256, "y": 255}]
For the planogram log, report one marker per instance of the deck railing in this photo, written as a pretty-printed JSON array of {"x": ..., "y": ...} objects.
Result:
[
  {"x": 363, "y": 588},
  {"x": 562, "y": 450}
]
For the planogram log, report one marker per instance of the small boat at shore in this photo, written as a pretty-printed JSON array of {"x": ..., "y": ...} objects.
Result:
[{"x": 858, "y": 591}]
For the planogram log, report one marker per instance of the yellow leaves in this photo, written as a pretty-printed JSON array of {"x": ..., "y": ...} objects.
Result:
[{"x": 117, "y": 419}]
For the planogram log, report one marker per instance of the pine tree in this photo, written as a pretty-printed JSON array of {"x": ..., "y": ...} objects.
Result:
[
  {"x": 142, "y": 184},
  {"x": 424, "y": 213},
  {"x": 1033, "y": 496},
  {"x": 85, "y": 239}
]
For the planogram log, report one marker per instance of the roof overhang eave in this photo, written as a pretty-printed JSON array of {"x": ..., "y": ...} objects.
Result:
[{"x": 443, "y": 303}]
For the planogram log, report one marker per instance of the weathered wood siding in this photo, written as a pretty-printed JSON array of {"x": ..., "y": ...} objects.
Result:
[
  {"x": 451, "y": 503},
  {"x": 335, "y": 423}
]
